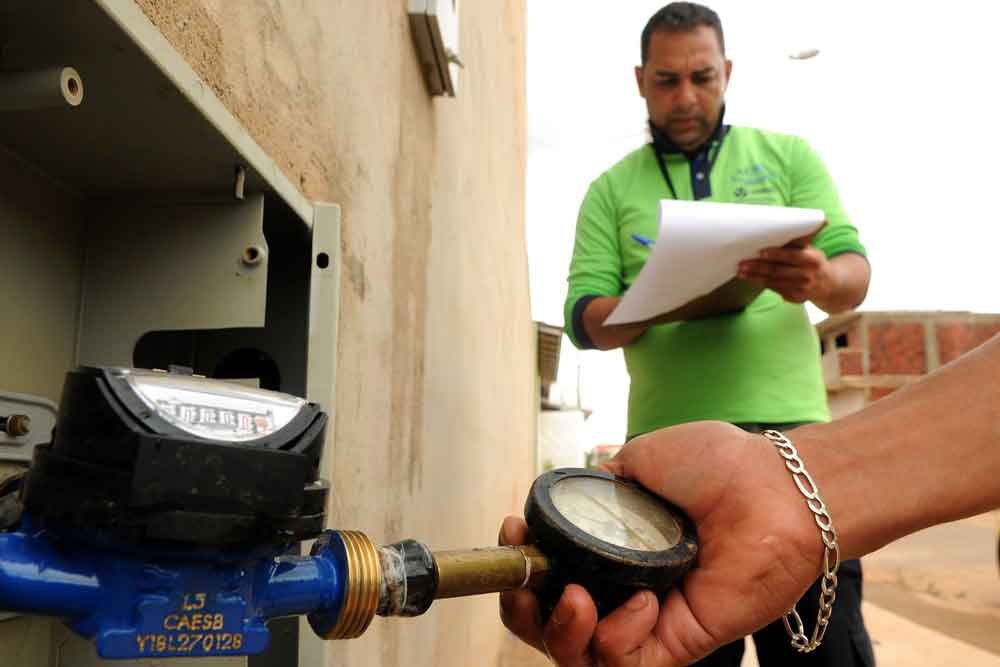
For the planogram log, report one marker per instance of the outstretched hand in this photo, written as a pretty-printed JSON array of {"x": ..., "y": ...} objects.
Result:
[{"x": 760, "y": 550}]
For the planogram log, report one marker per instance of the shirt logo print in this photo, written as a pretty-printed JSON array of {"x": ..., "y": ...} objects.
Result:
[{"x": 755, "y": 174}]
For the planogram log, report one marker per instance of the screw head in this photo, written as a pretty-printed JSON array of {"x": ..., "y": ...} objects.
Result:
[{"x": 18, "y": 425}]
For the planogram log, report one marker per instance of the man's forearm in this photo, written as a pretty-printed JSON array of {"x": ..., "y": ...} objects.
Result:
[
  {"x": 928, "y": 453},
  {"x": 607, "y": 338},
  {"x": 849, "y": 277}
]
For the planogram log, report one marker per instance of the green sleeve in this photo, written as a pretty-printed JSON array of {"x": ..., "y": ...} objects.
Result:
[
  {"x": 596, "y": 266},
  {"x": 812, "y": 187}
]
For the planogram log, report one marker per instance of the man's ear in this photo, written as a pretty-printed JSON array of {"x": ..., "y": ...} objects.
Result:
[
  {"x": 638, "y": 81},
  {"x": 729, "y": 71}
]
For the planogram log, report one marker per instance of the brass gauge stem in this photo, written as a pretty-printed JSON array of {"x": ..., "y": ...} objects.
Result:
[
  {"x": 476, "y": 571},
  {"x": 404, "y": 578}
]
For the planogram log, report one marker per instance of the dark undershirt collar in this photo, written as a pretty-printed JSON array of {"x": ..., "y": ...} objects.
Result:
[
  {"x": 700, "y": 160},
  {"x": 664, "y": 144}
]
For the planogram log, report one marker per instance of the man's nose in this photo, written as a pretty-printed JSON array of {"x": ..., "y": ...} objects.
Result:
[{"x": 686, "y": 97}]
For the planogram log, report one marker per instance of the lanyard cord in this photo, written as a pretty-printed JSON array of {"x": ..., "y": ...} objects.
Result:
[{"x": 711, "y": 161}]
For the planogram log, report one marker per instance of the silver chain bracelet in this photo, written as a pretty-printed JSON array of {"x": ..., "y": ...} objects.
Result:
[{"x": 800, "y": 641}]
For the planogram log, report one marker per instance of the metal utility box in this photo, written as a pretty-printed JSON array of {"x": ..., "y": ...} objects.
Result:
[{"x": 142, "y": 226}]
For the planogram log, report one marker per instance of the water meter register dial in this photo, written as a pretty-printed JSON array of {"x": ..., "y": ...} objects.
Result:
[{"x": 146, "y": 456}]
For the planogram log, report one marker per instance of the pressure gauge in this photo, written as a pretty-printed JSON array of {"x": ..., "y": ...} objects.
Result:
[{"x": 608, "y": 534}]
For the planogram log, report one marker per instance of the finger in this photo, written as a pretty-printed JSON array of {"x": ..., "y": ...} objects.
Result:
[
  {"x": 804, "y": 241},
  {"x": 681, "y": 637},
  {"x": 807, "y": 256},
  {"x": 613, "y": 467},
  {"x": 789, "y": 256},
  {"x": 801, "y": 242},
  {"x": 771, "y": 271},
  {"x": 624, "y": 637},
  {"x": 571, "y": 627},
  {"x": 519, "y": 611},
  {"x": 784, "y": 255},
  {"x": 513, "y": 532}
]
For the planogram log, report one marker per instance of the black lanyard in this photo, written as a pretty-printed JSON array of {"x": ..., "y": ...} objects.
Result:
[{"x": 711, "y": 161}]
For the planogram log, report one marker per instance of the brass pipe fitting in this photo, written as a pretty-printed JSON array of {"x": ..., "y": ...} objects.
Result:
[{"x": 364, "y": 582}]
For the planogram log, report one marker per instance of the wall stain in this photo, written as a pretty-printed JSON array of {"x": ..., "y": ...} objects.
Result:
[
  {"x": 356, "y": 276},
  {"x": 411, "y": 199}
]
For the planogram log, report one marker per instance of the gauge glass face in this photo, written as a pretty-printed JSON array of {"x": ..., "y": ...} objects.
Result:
[
  {"x": 616, "y": 513},
  {"x": 213, "y": 409}
]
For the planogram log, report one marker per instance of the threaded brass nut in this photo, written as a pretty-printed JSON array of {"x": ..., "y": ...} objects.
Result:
[{"x": 364, "y": 581}]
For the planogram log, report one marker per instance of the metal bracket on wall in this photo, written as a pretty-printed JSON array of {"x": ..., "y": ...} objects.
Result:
[
  {"x": 25, "y": 421},
  {"x": 435, "y": 28}
]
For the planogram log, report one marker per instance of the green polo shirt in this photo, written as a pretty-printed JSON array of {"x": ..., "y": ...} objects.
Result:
[{"x": 759, "y": 365}]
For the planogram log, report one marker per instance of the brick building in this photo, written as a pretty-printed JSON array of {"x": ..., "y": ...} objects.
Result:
[{"x": 867, "y": 355}]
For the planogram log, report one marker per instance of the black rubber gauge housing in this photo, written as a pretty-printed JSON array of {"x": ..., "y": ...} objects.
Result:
[
  {"x": 146, "y": 456},
  {"x": 608, "y": 534}
]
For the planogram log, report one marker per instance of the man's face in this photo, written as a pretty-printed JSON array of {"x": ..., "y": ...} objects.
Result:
[{"x": 684, "y": 83}]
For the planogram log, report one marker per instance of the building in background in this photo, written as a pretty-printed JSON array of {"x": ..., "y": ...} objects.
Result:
[
  {"x": 560, "y": 416},
  {"x": 867, "y": 355}
]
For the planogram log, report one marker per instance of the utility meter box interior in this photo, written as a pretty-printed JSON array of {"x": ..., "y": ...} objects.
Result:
[{"x": 143, "y": 227}]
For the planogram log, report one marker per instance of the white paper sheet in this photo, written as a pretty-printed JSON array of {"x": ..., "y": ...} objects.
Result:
[{"x": 699, "y": 248}]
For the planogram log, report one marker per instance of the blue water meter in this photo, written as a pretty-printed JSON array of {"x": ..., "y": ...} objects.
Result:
[{"x": 159, "y": 518}]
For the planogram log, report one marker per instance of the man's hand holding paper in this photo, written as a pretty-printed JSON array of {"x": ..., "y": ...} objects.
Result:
[
  {"x": 692, "y": 269},
  {"x": 798, "y": 272}
]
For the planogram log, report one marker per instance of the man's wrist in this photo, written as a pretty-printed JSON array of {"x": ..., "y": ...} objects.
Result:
[
  {"x": 801, "y": 639},
  {"x": 607, "y": 338}
]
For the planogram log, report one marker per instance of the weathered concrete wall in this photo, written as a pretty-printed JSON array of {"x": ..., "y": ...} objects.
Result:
[{"x": 435, "y": 413}]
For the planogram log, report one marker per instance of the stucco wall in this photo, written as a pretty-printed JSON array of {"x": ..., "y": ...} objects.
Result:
[{"x": 434, "y": 423}]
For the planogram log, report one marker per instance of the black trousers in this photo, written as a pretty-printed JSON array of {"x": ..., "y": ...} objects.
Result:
[{"x": 846, "y": 642}]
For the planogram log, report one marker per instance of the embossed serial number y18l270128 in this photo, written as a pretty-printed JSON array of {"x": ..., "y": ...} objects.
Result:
[{"x": 189, "y": 642}]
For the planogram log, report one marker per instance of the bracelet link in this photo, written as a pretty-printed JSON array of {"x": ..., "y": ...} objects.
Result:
[{"x": 831, "y": 550}]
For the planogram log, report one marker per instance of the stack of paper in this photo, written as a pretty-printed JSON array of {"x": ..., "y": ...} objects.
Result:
[{"x": 691, "y": 269}]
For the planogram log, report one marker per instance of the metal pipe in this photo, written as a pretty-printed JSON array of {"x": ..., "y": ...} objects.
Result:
[
  {"x": 292, "y": 585},
  {"x": 42, "y": 89},
  {"x": 35, "y": 578}
]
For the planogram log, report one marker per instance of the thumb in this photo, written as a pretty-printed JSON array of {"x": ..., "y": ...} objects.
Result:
[
  {"x": 614, "y": 467},
  {"x": 688, "y": 464}
]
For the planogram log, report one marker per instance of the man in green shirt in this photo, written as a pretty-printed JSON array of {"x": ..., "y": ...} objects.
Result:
[{"x": 759, "y": 368}]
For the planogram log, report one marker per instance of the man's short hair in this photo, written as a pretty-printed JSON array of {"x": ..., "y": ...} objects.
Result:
[{"x": 681, "y": 17}]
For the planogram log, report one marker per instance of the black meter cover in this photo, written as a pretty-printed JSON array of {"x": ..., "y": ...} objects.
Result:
[
  {"x": 182, "y": 467},
  {"x": 611, "y": 573}
]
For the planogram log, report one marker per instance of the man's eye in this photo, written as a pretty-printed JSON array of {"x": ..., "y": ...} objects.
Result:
[
  {"x": 702, "y": 79},
  {"x": 667, "y": 83}
]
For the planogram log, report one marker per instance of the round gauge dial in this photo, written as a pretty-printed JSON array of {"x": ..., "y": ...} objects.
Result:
[
  {"x": 608, "y": 534},
  {"x": 619, "y": 514}
]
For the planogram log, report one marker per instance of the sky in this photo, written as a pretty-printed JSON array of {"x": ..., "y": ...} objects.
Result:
[{"x": 899, "y": 103}]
